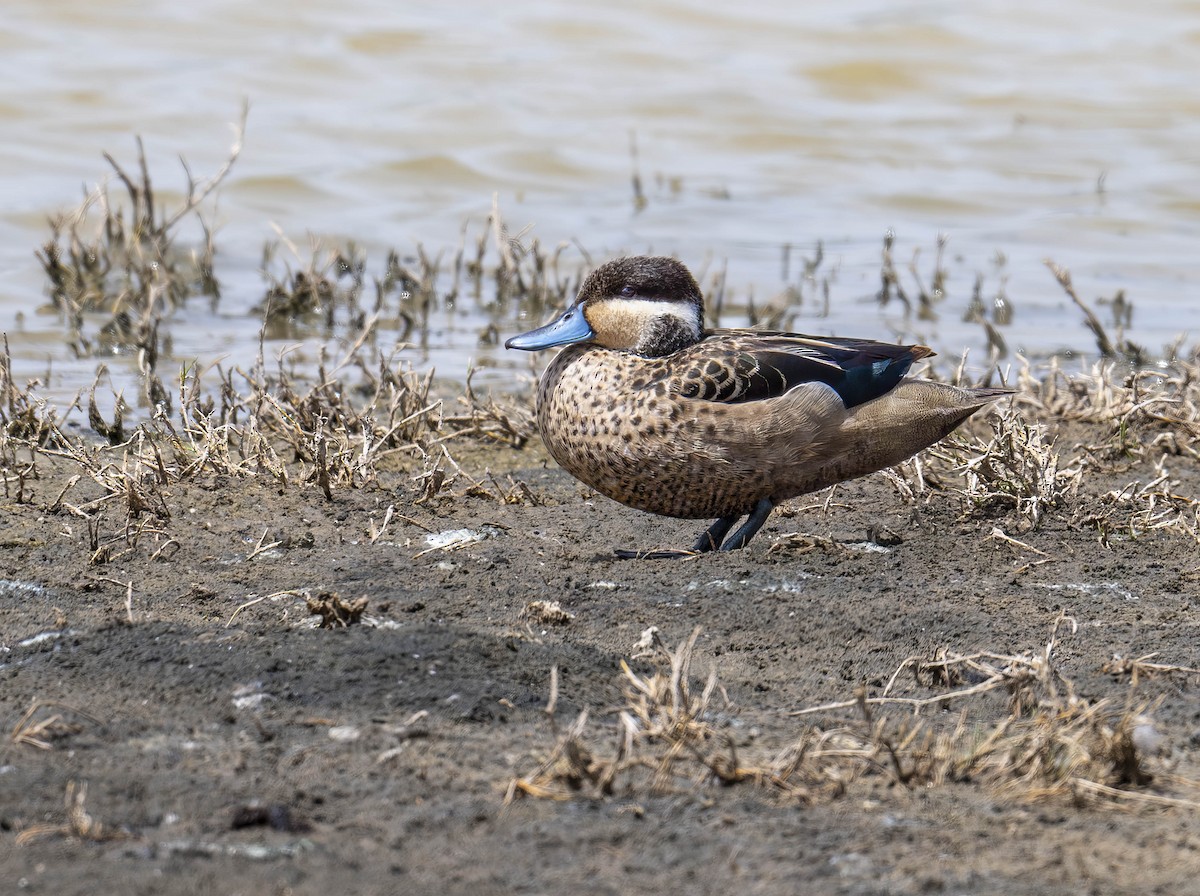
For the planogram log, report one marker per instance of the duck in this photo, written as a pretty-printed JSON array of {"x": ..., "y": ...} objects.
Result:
[{"x": 649, "y": 407}]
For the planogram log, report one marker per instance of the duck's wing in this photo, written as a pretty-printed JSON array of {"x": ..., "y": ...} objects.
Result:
[{"x": 738, "y": 366}]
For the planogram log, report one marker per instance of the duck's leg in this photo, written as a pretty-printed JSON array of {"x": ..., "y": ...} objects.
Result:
[
  {"x": 754, "y": 522},
  {"x": 710, "y": 539},
  {"x": 713, "y": 538}
]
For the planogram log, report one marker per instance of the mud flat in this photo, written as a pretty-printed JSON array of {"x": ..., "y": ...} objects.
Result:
[{"x": 243, "y": 658}]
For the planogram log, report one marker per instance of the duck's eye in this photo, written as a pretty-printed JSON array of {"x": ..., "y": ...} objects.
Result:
[{"x": 628, "y": 291}]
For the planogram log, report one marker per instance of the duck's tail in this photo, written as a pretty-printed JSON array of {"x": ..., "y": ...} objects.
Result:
[{"x": 918, "y": 413}]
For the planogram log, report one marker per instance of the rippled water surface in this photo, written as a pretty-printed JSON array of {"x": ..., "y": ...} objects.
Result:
[{"x": 1015, "y": 130}]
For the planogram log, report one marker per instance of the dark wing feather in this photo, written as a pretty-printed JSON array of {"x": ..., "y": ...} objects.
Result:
[{"x": 737, "y": 366}]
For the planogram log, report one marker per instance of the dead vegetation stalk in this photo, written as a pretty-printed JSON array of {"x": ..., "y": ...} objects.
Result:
[{"x": 1046, "y": 743}]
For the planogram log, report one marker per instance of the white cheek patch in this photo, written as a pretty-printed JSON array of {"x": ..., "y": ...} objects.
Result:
[{"x": 639, "y": 313}]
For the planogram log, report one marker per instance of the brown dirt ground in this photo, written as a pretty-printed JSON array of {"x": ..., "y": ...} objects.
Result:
[{"x": 269, "y": 756}]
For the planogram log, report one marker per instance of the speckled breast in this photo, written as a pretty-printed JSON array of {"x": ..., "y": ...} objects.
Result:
[{"x": 613, "y": 421}]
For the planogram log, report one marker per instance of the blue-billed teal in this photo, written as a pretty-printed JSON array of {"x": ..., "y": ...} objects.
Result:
[{"x": 648, "y": 407}]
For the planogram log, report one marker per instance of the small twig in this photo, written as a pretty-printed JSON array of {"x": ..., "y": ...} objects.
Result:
[
  {"x": 170, "y": 542},
  {"x": 552, "y": 702},
  {"x": 1063, "y": 276},
  {"x": 197, "y": 192},
  {"x": 259, "y": 600},
  {"x": 57, "y": 503},
  {"x": 1133, "y": 796},
  {"x": 998, "y": 534},
  {"x": 261, "y": 548},
  {"x": 387, "y": 518},
  {"x": 128, "y": 586},
  {"x": 1120, "y": 666},
  {"x": 79, "y": 822}
]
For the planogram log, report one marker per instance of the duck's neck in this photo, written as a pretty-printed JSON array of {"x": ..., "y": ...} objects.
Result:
[{"x": 666, "y": 334}]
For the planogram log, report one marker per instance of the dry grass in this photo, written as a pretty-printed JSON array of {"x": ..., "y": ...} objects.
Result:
[
  {"x": 1152, "y": 417},
  {"x": 361, "y": 419},
  {"x": 1047, "y": 744},
  {"x": 1146, "y": 418},
  {"x": 339, "y": 417},
  {"x": 335, "y": 611},
  {"x": 366, "y": 418},
  {"x": 1141, "y": 668},
  {"x": 662, "y": 737},
  {"x": 1138, "y": 509},
  {"x": 1017, "y": 470},
  {"x": 1147, "y": 410},
  {"x": 128, "y": 266},
  {"x": 1108, "y": 347},
  {"x": 548, "y": 612},
  {"x": 79, "y": 824},
  {"x": 46, "y": 721}
]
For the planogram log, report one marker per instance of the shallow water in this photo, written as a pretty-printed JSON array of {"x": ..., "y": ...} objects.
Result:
[{"x": 1017, "y": 132}]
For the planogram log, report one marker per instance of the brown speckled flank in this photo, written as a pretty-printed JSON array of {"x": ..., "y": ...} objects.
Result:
[
  {"x": 621, "y": 424},
  {"x": 648, "y": 409}
]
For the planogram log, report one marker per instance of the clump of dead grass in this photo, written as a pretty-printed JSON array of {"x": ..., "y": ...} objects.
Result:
[
  {"x": 1120, "y": 347},
  {"x": 361, "y": 409},
  {"x": 127, "y": 264},
  {"x": 1045, "y": 743},
  {"x": 547, "y": 612},
  {"x": 1017, "y": 470},
  {"x": 335, "y": 611},
  {"x": 331, "y": 279},
  {"x": 1151, "y": 417},
  {"x": 1139, "y": 509},
  {"x": 79, "y": 824},
  {"x": 47, "y": 721},
  {"x": 363, "y": 417},
  {"x": 663, "y": 737},
  {"x": 927, "y": 295},
  {"x": 130, "y": 264},
  {"x": 1144, "y": 416},
  {"x": 1146, "y": 410},
  {"x": 24, "y": 417}
]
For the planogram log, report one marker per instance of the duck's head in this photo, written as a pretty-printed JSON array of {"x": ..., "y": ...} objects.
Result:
[{"x": 649, "y": 305}]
